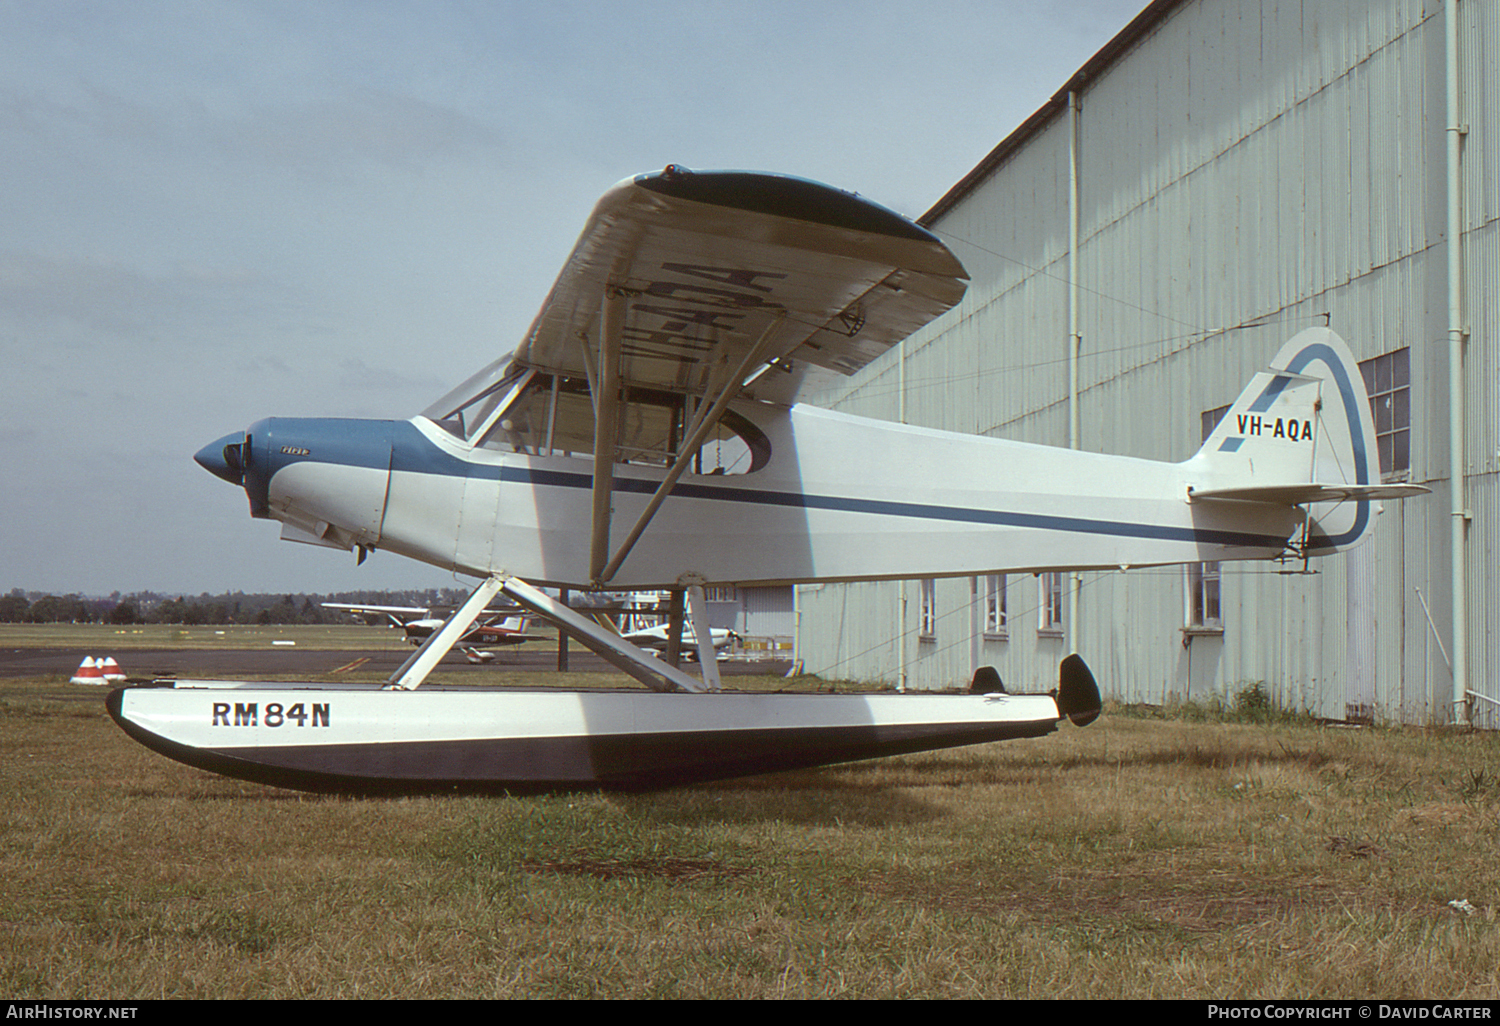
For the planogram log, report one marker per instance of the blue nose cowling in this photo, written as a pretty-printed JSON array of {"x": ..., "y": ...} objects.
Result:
[{"x": 212, "y": 459}]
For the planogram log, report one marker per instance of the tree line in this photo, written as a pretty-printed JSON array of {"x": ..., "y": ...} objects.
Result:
[{"x": 20, "y": 606}]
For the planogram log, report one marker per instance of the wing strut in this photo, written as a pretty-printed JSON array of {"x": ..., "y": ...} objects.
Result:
[
  {"x": 606, "y": 426},
  {"x": 706, "y": 420},
  {"x": 674, "y": 627},
  {"x": 708, "y": 656}
]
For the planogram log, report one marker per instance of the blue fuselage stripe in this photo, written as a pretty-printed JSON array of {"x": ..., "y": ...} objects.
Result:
[
  {"x": 1320, "y": 351},
  {"x": 914, "y": 510},
  {"x": 411, "y": 452}
]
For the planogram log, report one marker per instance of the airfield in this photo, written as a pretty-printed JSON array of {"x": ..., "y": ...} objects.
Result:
[
  {"x": 1196, "y": 852},
  {"x": 330, "y": 653}
]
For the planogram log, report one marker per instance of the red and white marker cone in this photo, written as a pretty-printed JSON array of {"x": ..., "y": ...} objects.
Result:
[
  {"x": 89, "y": 672},
  {"x": 111, "y": 669}
]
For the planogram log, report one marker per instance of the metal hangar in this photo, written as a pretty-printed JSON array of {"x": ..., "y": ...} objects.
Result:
[{"x": 1222, "y": 175}]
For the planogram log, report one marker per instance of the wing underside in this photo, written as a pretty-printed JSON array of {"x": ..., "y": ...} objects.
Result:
[
  {"x": 705, "y": 269},
  {"x": 710, "y": 265}
]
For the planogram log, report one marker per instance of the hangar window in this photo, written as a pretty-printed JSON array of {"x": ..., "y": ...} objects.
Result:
[
  {"x": 1209, "y": 419},
  {"x": 927, "y": 626},
  {"x": 1388, "y": 382},
  {"x": 1051, "y": 620},
  {"x": 1204, "y": 610},
  {"x": 995, "y": 618}
]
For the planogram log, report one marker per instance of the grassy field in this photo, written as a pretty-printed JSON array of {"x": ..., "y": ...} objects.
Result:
[{"x": 1140, "y": 857}]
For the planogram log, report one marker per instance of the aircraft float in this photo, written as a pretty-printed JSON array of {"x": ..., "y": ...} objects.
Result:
[{"x": 647, "y": 433}]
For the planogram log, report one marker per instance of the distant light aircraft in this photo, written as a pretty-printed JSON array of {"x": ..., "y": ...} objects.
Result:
[
  {"x": 492, "y": 628},
  {"x": 657, "y": 392},
  {"x": 655, "y": 639}
]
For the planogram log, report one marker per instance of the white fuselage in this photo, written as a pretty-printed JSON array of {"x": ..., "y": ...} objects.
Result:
[{"x": 840, "y": 498}]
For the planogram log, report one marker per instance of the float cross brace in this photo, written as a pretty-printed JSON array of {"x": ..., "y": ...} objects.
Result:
[
  {"x": 650, "y": 671},
  {"x": 414, "y": 671}
]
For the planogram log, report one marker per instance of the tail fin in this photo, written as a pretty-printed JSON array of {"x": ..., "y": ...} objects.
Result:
[{"x": 1302, "y": 434}]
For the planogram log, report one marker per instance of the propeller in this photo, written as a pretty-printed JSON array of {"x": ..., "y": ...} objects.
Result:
[{"x": 224, "y": 459}]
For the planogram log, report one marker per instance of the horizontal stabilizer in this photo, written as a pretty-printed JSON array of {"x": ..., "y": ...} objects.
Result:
[{"x": 1300, "y": 494}]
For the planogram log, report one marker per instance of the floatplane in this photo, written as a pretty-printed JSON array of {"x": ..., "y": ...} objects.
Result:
[{"x": 647, "y": 434}]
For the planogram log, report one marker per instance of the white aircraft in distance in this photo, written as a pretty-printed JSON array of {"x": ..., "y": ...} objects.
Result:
[
  {"x": 492, "y": 629},
  {"x": 646, "y": 435},
  {"x": 654, "y": 639}
]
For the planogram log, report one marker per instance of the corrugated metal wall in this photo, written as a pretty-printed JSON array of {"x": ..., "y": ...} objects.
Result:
[
  {"x": 767, "y": 613},
  {"x": 1249, "y": 169}
]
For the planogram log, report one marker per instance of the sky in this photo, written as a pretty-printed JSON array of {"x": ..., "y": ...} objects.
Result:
[{"x": 214, "y": 212}]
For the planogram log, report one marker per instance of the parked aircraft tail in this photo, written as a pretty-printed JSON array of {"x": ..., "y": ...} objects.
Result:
[{"x": 1302, "y": 434}]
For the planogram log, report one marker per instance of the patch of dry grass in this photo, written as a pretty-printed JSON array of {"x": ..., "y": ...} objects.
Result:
[{"x": 1136, "y": 858}]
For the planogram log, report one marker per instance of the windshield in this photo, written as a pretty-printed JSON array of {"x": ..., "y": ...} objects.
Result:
[{"x": 514, "y": 409}]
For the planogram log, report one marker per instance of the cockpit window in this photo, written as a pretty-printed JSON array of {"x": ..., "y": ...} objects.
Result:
[
  {"x": 467, "y": 408},
  {"x": 544, "y": 415}
]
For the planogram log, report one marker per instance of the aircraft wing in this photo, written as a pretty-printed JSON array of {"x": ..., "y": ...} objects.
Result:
[
  {"x": 394, "y": 610},
  {"x": 392, "y": 616},
  {"x": 709, "y": 265},
  {"x": 706, "y": 287},
  {"x": 401, "y": 614}
]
